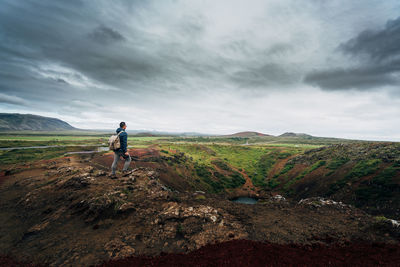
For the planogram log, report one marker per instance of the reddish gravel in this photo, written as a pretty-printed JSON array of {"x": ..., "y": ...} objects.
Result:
[
  {"x": 6, "y": 261},
  {"x": 250, "y": 253},
  {"x": 2, "y": 177}
]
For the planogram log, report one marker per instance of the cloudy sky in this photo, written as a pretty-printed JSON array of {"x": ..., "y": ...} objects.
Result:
[{"x": 326, "y": 68}]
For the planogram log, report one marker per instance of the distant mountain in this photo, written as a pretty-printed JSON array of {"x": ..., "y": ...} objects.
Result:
[
  {"x": 290, "y": 134},
  {"x": 29, "y": 122},
  {"x": 247, "y": 134}
]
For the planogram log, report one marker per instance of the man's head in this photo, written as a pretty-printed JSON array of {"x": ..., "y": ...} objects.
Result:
[{"x": 122, "y": 125}]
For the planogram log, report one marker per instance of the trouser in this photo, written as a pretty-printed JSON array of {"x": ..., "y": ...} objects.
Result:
[{"x": 117, "y": 156}]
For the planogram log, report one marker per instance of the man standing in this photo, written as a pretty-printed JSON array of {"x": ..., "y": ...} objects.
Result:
[{"x": 122, "y": 151}]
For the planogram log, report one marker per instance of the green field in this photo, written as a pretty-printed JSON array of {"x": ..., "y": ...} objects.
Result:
[
  {"x": 218, "y": 165},
  {"x": 49, "y": 138},
  {"x": 256, "y": 159},
  {"x": 46, "y": 140},
  {"x": 250, "y": 155}
]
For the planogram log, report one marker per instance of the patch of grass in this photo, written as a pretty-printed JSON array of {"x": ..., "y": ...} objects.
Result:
[
  {"x": 316, "y": 165},
  {"x": 202, "y": 170},
  {"x": 221, "y": 164},
  {"x": 240, "y": 156},
  {"x": 284, "y": 155},
  {"x": 380, "y": 188},
  {"x": 364, "y": 168},
  {"x": 217, "y": 181},
  {"x": 264, "y": 165},
  {"x": 334, "y": 164},
  {"x": 293, "y": 145},
  {"x": 17, "y": 156},
  {"x": 330, "y": 173},
  {"x": 273, "y": 183},
  {"x": 200, "y": 197},
  {"x": 380, "y": 218},
  {"x": 361, "y": 169},
  {"x": 49, "y": 137},
  {"x": 255, "y": 160},
  {"x": 386, "y": 176},
  {"x": 287, "y": 168},
  {"x": 233, "y": 180},
  {"x": 310, "y": 169}
]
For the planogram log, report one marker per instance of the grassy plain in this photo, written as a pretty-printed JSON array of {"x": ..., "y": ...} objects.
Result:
[{"x": 357, "y": 172}]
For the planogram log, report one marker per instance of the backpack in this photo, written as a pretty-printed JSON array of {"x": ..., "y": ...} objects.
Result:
[{"x": 113, "y": 142}]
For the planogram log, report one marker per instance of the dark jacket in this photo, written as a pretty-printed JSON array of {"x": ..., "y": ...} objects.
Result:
[{"x": 123, "y": 139}]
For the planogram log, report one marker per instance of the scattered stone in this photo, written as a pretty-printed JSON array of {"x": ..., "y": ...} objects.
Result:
[
  {"x": 38, "y": 227},
  {"x": 128, "y": 206},
  {"x": 89, "y": 169},
  {"x": 116, "y": 249},
  {"x": 77, "y": 182},
  {"x": 395, "y": 223},
  {"x": 319, "y": 202},
  {"x": 279, "y": 198},
  {"x": 99, "y": 173}
]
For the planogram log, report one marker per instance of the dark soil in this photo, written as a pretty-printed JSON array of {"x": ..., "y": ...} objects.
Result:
[
  {"x": 6, "y": 261},
  {"x": 250, "y": 253}
]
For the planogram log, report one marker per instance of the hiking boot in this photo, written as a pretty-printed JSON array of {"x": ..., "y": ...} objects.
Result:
[{"x": 127, "y": 173}]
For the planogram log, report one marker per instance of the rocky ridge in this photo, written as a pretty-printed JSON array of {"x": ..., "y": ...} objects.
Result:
[{"x": 68, "y": 212}]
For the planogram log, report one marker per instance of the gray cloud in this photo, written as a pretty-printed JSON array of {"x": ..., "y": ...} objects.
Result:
[
  {"x": 135, "y": 55},
  {"x": 195, "y": 65},
  {"x": 377, "y": 44},
  {"x": 10, "y": 99},
  {"x": 379, "y": 54},
  {"x": 361, "y": 78},
  {"x": 43, "y": 43},
  {"x": 266, "y": 75},
  {"x": 105, "y": 35}
]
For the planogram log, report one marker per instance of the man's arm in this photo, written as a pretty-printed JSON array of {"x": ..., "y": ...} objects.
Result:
[{"x": 124, "y": 142}]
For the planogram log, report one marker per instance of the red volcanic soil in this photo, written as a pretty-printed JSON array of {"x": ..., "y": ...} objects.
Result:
[
  {"x": 6, "y": 261},
  {"x": 2, "y": 177},
  {"x": 251, "y": 253}
]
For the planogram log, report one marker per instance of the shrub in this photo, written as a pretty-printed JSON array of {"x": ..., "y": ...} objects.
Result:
[
  {"x": 221, "y": 164},
  {"x": 361, "y": 169},
  {"x": 285, "y": 169},
  {"x": 284, "y": 155},
  {"x": 201, "y": 197},
  {"x": 273, "y": 183},
  {"x": 316, "y": 165},
  {"x": 202, "y": 170},
  {"x": 336, "y": 163},
  {"x": 381, "y": 218},
  {"x": 364, "y": 168},
  {"x": 385, "y": 177}
]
